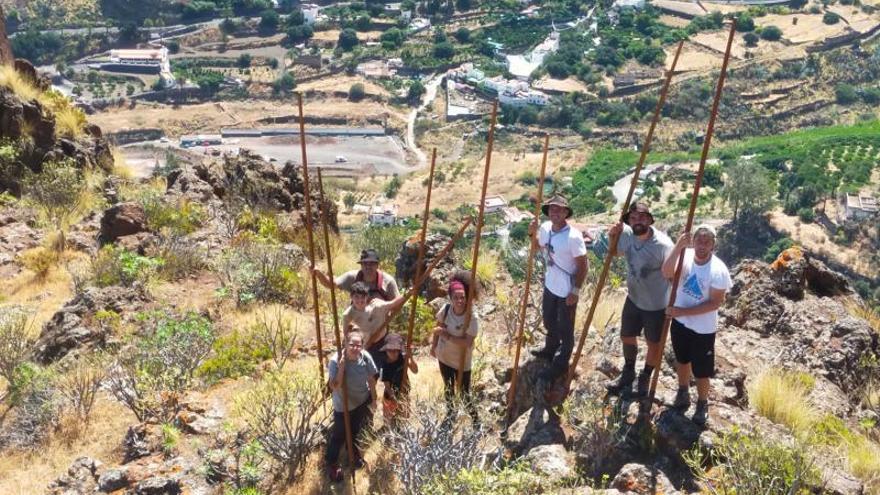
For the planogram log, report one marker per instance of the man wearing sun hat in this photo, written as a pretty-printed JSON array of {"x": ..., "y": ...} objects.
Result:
[
  {"x": 702, "y": 287},
  {"x": 565, "y": 256},
  {"x": 645, "y": 248},
  {"x": 381, "y": 285}
]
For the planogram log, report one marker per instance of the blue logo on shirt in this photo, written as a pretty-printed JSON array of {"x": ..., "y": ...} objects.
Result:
[{"x": 692, "y": 287}]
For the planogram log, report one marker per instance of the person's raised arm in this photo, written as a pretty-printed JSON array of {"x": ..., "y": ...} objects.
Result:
[
  {"x": 614, "y": 234},
  {"x": 322, "y": 277},
  {"x": 668, "y": 268}
]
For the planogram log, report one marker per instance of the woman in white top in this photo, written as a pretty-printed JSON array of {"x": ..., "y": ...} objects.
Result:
[{"x": 451, "y": 340}]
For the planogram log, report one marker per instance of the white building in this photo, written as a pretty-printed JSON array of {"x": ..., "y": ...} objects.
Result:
[
  {"x": 857, "y": 207},
  {"x": 383, "y": 214},
  {"x": 310, "y": 13},
  {"x": 494, "y": 204},
  {"x": 419, "y": 24},
  {"x": 501, "y": 85},
  {"x": 523, "y": 98}
]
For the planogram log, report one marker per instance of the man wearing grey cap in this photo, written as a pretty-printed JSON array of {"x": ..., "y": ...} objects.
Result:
[
  {"x": 702, "y": 287},
  {"x": 645, "y": 249}
]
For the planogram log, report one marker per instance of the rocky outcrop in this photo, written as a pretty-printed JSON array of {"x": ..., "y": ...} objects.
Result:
[
  {"x": 643, "y": 480},
  {"x": 34, "y": 126},
  {"x": 81, "y": 478},
  {"x": 122, "y": 220},
  {"x": 408, "y": 258},
  {"x": 75, "y": 326},
  {"x": 796, "y": 310},
  {"x": 247, "y": 179}
]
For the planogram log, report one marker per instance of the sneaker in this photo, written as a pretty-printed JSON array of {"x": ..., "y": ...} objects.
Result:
[
  {"x": 701, "y": 413},
  {"x": 623, "y": 383},
  {"x": 543, "y": 353},
  {"x": 643, "y": 384},
  {"x": 334, "y": 472},
  {"x": 682, "y": 399}
]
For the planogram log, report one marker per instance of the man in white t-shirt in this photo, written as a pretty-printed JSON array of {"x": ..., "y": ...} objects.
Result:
[
  {"x": 702, "y": 287},
  {"x": 565, "y": 256}
]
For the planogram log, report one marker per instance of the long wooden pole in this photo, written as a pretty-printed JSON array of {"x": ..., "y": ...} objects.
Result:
[
  {"x": 472, "y": 287},
  {"x": 309, "y": 229},
  {"x": 606, "y": 265},
  {"x": 419, "y": 260},
  {"x": 710, "y": 129},
  {"x": 511, "y": 395},
  {"x": 341, "y": 359}
]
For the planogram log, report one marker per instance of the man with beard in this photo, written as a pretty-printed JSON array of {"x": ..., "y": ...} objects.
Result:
[
  {"x": 645, "y": 249},
  {"x": 380, "y": 284},
  {"x": 702, "y": 288}
]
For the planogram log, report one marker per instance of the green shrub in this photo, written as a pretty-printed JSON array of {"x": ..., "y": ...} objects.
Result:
[
  {"x": 282, "y": 413},
  {"x": 806, "y": 215},
  {"x": 34, "y": 394},
  {"x": 830, "y": 18},
  {"x": 258, "y": 271},
  {"x": 515, "y": 479},
  {"x": 387, "y": 241},
  {"x": 15, "y": 341},
  {"x": 118, "y": 266},
  {"x": 233, "y": 356},
  {"x": 752, "y": 463},
  {"x": 180, "y": 258},
  {"x": 159, "y": 366},
  {"x": 424, "y": 322},
  {"x": 771, "y": 33},
  {"x": 845, "y": 94},
  {"x": 393, "y": 187},
  {"x": 170, "y": 438},
  {"x": 182, "y": 218}
]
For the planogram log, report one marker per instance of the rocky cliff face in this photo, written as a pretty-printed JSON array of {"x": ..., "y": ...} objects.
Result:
[{"x": 32, "y": 126}]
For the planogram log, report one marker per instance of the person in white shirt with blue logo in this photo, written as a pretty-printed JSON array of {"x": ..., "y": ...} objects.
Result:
[
  {"x": 565, "y": 256},
  {"x": 702, "y": 287}
]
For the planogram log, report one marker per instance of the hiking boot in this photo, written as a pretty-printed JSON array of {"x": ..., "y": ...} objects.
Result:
[
  {"x": 643, "y": 384},
  {"x": 682, "y": 399},
  {"x": 623, "y": 383},
  {"x": 701, "y": 413},
  {"x": 543, "y": 353},
  {"x": 334, "y": 472}
]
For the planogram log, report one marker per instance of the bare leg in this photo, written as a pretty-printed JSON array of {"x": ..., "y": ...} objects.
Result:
[
  {"x": 702, "y": 389},
  {"x": 684, "y": 375},
  {"x": 654, "y": 353}
]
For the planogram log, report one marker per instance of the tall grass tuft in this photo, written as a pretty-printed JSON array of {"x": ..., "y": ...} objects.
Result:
[
  {"x": 18, "y": 84},
  {"x": 70, "y": 122},
  {"x": 781, "y": 397}
]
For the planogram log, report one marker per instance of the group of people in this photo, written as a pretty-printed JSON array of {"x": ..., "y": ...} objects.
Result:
[{"x": 372, "y": 354}]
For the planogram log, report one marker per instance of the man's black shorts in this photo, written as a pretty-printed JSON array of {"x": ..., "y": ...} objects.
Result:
[
  {"x": 698, "y": 349},
  {"x": 633, "y": 320}
]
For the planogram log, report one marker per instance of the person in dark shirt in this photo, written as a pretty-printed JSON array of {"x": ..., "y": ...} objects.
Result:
[{"x": 392, "y": 374}]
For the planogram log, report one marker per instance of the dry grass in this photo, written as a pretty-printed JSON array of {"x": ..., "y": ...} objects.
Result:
[
  {"x": 121, "y": 168},
  {"x": 860, "y": 309},
  {"x": 781, "y": 397},
  {"x": 43, "y": 297},
  {"x": 23, "y": 473},
  {"x": 70, "y": 122},
  {"x": 18, "y": 84}
]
